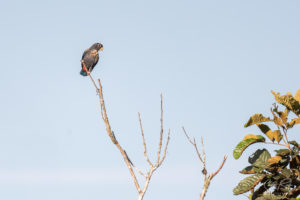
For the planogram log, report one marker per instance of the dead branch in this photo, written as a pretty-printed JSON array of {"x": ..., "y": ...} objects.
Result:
[
  {"x": 131, "y": 167},
  {"x": 202, "y": 159},
  {"x": 144, "y": 141},
  {"x": 161, "y": 129}
]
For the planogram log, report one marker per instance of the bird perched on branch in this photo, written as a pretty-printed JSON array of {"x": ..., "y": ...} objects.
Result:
[{"x": 90, "y": 58}]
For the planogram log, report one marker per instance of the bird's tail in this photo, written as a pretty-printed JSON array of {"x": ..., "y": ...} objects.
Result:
[{"x": 83, "y": 73}]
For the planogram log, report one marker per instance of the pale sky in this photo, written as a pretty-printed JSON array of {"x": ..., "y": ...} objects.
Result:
[{"x": 214, "y": 61}]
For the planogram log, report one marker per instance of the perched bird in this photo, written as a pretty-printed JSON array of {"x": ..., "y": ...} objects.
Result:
[{"x": 90, "y": 58}]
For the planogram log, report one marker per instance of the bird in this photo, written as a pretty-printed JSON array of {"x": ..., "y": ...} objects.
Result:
[{"x": 90, "y": 58}]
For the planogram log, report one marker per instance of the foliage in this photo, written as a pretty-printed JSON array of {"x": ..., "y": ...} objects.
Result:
[
  {"x": 247, "y": 141},
  {"x": 272, "y": 177}
]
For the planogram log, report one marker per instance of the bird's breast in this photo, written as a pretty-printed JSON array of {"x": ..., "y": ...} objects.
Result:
[{"x": 94, "y": 52}]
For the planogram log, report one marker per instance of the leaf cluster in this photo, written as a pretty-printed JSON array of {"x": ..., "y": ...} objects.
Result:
[{"x": 277, "y": 176}]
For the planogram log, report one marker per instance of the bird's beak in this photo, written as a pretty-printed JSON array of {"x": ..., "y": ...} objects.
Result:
[{"x": 101, "y": 49}]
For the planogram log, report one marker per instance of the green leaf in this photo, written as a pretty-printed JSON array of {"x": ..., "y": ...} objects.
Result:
[
  {"x": 288, "y": 101},
  {"x": 259, "y": 192},
  {"x": 255, "y": 119},
  {"x": 239, "y": 149},
  {"x": 270, "y": 197},
  {"x": 282, "y": 152},
  {"x": 287, "y": 172},
  {"x": 251, "y": 170},
  {"x": 248, "y": 170},
  {"x": 260, "y": 158},
  {"x": 248, "y": 183}
]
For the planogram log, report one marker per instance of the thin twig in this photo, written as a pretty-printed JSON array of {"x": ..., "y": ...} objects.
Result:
[
  {"x": 287, "y": 141},
  {"x": 221, "y": 166},
  {"x": 203, "y": 153},
  {"x": 144, "y": 141},
  {"x": 139, "y": 171},
  {"x": 194, "y": 144},
  {"x": 276, "y": 144},
  {"x": 161, "y": 129},
  {"x": 97, "y": 89},
  {"x": 165, "y": 149},
  {"x": 89, "y": 74}
]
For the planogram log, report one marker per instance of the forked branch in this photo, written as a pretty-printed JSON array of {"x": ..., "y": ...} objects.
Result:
[
  {"x": 160, "y": 156},
  {"x": 202, "y": 158}
]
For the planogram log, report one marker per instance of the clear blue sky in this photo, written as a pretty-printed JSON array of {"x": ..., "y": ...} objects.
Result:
[{"x": 214, "y": 61}]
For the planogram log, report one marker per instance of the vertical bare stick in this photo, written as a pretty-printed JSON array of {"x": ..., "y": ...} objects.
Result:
[
  {"x": 202, "y": 159},
  {"x": 165, "y": 150},
  {"x": 161, "y": 128},
  {"x": 144, "y": 141}
]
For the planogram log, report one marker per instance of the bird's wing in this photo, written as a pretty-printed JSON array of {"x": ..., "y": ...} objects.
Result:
[
  {"x": 84, "y": 53},
  {"x": 96, "y": 59}
]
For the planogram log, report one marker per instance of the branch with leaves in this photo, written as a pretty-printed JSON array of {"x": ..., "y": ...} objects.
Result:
[
  {"x": 161, "y": 155},
  {"x": 274, "y": 177},
  {"x": 202, "y": 158}
]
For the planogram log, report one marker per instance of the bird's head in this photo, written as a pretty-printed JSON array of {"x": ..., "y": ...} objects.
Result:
[{"x": 97, "y": 46}]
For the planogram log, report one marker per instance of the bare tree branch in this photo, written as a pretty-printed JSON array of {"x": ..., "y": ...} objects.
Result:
[
  {"x": 144, "y": 141},
  {"x": 158, "y": 161},
  {"x": 165, "y": 150},
  {"x": 139, "y": 171},
  {"x": 221, "y": 166},
  {"x": 161, "y": 129},
  {"x": 89, "y": 74},
  {"x": 113, "y": 138},
  {"x": 202, "y": 158},
  {"x": 210, "y": 177},
  {"x": 130, "y": 165},
  {"x": 194, "y": 144},
  {"x": 203, "y": 153}
]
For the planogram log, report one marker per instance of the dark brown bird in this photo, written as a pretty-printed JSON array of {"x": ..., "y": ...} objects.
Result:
[{"x": 90, "y": 58}]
